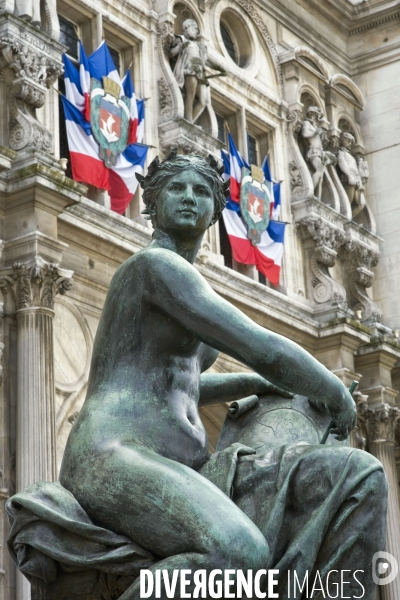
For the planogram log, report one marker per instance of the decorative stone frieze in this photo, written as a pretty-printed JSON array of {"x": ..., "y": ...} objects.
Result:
[
  {"x": 326, "y": 239},
  {"x": 359, "y": 260},
  {"x": 35, "y": 284}
]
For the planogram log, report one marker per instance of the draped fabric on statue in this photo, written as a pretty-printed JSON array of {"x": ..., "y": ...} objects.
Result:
[{"x": 50, "y": 531}]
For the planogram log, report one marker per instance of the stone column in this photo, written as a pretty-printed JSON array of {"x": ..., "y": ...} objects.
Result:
[
  {"x": 34, "y": 286},
  {"x": 381, "y": 422}
]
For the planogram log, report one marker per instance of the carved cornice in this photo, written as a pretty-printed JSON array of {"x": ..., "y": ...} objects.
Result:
[
  {"x": 35, "y": 284},
  {"x": 374, "y": 23}
]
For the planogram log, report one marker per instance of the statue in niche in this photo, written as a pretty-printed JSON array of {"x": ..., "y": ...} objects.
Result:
[
  {"x": 190, "y": 70},
  {"x": 353, "y": 175},
  {"x": 313, "y": 137},
  {"x": 137, "y": 486},
  {"x": 32, "y": 10}
]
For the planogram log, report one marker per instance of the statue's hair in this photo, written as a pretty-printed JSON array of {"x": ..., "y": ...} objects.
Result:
[{"x": 159, "y": 173}]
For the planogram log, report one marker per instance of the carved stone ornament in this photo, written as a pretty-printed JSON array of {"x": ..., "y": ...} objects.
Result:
[
  {"x": 300, "y": 180},
  {"x": 165, "y": 99},
  {"x": 382, "y": 423},
  {"x": 170, "y": 97},
  {"x": 359, "y": 435},
  {"x": 359, "y": 261},
  {"x": 327, "y": 240},
  {"x": 35, "y": 285},
  {"x": 29, "y": 73}
]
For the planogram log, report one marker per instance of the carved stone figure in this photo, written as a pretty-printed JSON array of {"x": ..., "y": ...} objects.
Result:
[
  {"x": 189, "y": 71},
  {"x": 318, "y": 158},
  {"x": 352, "y": 174},
  {"x": 137, "y": 486},
  {"x": 32, "y": 10}
]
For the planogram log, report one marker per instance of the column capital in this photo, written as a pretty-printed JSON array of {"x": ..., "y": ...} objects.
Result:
[
  {"x": 35, "y": 283},
  {"x": 381, "y": 422}
]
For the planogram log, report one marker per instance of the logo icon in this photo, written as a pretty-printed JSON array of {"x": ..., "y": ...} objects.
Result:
[
  {"x": 255, "y": 200},
  {"x": 109, "y": 118},
  {"x": 384, "y": 568}
]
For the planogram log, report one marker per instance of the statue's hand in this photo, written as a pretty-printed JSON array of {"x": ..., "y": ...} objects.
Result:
[{"x": 342, "y": 410}]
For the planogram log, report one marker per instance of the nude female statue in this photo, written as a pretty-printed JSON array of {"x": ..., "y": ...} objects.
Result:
[{"x": 134, "y": 454}]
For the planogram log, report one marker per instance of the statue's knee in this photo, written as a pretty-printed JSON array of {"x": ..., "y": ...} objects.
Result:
[
  {"x": 376, "y": 481},
  {"x": 247, "y": 548}
]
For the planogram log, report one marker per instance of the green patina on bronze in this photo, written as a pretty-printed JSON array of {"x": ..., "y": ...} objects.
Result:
[{"x": 137, "y": 480}]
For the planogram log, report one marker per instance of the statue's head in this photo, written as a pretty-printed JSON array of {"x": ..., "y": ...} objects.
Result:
[
  {"x": 313, "y": 112},
  {"x": 180, "y": 169},
  {"x": 347, "y": 139},
  {"x": 190, "y": 28}
]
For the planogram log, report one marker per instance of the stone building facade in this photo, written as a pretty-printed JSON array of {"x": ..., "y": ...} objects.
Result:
[{"x": 316, "y": 85}]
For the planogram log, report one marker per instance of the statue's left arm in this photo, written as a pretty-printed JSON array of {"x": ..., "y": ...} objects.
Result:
[
  {"x": 228, "y": 387},
  {"x": 176, "y": 288}
]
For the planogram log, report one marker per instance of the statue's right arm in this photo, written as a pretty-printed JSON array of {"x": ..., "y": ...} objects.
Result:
[
  {"x": 177, "y": 289},
  {"x": 176, "y": 47}
]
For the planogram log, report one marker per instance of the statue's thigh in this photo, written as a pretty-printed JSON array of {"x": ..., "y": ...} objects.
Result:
[{"x": 162, "y": 505}]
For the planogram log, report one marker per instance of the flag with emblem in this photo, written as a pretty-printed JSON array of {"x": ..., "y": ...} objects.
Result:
[
  {"x": 101, "y": 152},
  {"x": 254, "y": 238}
]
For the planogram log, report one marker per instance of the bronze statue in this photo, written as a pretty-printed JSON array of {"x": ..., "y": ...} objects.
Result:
[{"x": 136, "y": 462}]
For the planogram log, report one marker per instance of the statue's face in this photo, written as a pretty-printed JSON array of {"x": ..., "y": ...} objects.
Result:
[
  {"x": 191, "y": 30},
  {"x": 347, "y": 142},
  {"x": 186, "y": 204}
]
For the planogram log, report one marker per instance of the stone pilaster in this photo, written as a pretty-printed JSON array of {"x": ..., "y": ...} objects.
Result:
[
  {"x": 381, "y": 423},
  {"x": 33, "y": 287}
]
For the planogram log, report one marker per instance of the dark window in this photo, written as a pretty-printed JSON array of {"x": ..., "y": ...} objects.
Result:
[
  {"x": 64, "y": 151},
  {"x": 68, "y": 36},
  {"x": 261, "y": 278},
  {"x": 221, "y": 128},
  {"x": 225, "y": 245},
  {"x": 252, "y": 149},
  {"x": 115, "y": 55},
  {"x": 228, "y": 43}
]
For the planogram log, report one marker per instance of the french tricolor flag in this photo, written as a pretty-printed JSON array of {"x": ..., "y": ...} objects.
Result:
[
  {"x": 129, "y": 91},
  {"x": 236, "y": 162},
  {"x": 140, "y": 128},
  {"x": 73, "y": 88},
  {"x": 120, "y": 181},
  {"x": 84, "y": 77},
  {"x": 267, "y": 255},
  {"x": 101, "y": 65},
  {"x": 275, "y": 187}
]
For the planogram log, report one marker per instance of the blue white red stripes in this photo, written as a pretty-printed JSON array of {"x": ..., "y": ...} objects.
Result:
[
  {"x": 267, "y": 255},
  {"x": 129, "y": 91},
  {"x": 101, "y": 64},
  {"x": 84, "y": 76},
  {"x": 120, "y": 181}
]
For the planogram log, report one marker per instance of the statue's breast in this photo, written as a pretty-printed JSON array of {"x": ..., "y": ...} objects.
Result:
[{"x": 275, "y": 421}]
